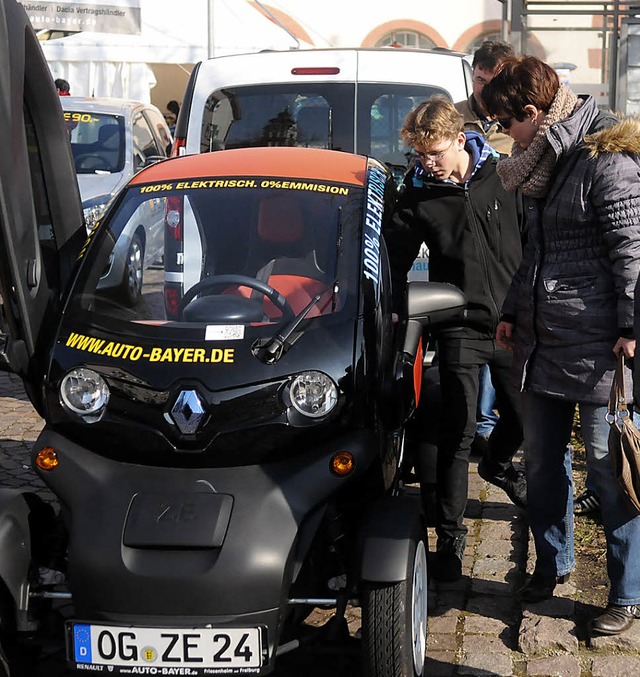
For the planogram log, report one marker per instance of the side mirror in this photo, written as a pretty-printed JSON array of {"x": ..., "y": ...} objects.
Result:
[{"x": 434, "y": 303}]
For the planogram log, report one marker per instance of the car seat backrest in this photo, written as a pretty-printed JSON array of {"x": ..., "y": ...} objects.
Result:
[{"x": 280, "y": 221}]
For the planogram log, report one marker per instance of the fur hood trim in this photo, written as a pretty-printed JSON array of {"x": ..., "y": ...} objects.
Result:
[{"x": 623, "y": 137}]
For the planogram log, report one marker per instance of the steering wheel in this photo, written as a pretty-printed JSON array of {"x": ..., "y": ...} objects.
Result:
[
  {"x": 92, "y": 162},
  {"x": 208, "y": 285}
]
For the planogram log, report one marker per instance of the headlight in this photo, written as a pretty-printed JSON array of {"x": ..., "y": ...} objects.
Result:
[
  {"x": 93, "y": 214},
  {"x": 313, "y": 393},
  {"x": 85, "y": 393}
]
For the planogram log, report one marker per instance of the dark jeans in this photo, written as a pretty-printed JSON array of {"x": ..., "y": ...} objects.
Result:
[{"x": 459, "y": 365}]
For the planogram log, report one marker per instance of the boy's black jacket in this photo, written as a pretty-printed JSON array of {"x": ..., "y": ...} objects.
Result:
[{"x": 475, "y": 236}]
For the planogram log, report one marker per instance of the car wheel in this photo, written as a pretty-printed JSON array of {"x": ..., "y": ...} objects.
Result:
[
  {"x": 394, "y": 621},
  {"x": 131, "y": 286}
]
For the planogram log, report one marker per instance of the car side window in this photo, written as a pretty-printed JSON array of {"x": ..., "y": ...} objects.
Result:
[
  {"x": 159, "y": 126},
  {"x": 144, "y": 143}
]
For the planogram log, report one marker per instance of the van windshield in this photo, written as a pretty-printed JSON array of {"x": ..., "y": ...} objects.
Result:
[{"x": 314, "y": 115}]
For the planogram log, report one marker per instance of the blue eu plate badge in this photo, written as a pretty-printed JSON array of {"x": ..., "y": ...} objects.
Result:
[{"x": 82, "y": 643}]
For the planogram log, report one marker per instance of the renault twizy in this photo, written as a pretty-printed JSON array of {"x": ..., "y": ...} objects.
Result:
[{"x": 225, "y": 452}]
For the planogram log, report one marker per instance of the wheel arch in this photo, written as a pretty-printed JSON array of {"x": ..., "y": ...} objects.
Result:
[
  {"x": 392, "y": 526},
  {"x": 15, "y": 547}
]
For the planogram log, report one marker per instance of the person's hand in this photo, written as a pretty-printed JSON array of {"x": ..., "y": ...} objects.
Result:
[
  {"x": 504, "y": 335},
  {"x": 626, "y": 345}
]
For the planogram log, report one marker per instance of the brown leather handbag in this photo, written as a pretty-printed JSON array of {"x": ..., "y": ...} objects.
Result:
[{"x": 624, "y": 440}]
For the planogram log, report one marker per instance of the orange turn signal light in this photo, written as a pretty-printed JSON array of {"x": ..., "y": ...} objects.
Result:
[
  {"x": 47, "y": 459},
  {"x": 342, "y": 463}
]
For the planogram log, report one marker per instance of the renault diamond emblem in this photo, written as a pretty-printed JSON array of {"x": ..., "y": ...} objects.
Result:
[{"x": 188, "y": 412}]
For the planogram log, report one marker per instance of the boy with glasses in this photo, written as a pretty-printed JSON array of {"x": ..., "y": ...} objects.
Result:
[{"x": 453, "y": 201}]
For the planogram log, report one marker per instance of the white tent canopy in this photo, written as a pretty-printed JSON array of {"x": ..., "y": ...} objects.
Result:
[{"x": 111, "y": 64}]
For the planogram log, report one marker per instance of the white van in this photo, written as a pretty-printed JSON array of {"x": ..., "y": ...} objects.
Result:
[{"x": 344, "y": 99}]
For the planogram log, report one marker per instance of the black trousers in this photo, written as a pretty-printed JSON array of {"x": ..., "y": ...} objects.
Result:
[{"x": 459, "y": 362}]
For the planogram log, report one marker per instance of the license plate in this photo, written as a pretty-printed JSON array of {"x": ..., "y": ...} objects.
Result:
[{"x": 188, "y": 651}]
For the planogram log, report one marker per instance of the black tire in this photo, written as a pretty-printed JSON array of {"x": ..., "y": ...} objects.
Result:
[
  {"x": 131, "y": 285},
  {"x": 394, "y": 621}
]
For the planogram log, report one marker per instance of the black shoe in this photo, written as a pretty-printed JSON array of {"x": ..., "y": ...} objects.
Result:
[
  {"x": 512, "y": 481},
  {"x": 447, "y": 561},
  {"x": 615, "y": 619},
  {"x": 586, "y": 503},
  {"x": 480, "y": 445},
  {"x": 540, "y": 587}
]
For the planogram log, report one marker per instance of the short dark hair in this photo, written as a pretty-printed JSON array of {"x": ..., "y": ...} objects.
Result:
[
  {"x": 520, "y": 81},
  {"x": 174, "y": 107},
  {"x": 490, "y": 54},
  {"x": 62, "y": 85}
]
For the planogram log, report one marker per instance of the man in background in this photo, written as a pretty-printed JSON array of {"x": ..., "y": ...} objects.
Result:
[{"x": 486, "y": 60}]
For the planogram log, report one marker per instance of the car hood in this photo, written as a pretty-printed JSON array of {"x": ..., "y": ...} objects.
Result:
[{"x": 97, "y": 185}]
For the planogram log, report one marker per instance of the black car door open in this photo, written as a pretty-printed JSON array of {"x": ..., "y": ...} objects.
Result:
[{"x": 41, "y": 224}]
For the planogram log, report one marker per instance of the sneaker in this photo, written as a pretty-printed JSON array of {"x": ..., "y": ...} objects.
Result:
[
  {"x": 511, "y": 481},
  {"x": 586, "y": 503}
]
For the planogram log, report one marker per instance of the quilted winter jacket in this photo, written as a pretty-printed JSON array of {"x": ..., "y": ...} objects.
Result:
[{"x": 573, "y": 294}]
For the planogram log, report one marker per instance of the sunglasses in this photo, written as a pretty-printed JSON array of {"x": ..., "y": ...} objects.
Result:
[{"x": 505, "y": 123}]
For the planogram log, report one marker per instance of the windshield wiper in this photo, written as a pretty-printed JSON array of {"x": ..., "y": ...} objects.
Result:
[{"x": 271, "y": 350}]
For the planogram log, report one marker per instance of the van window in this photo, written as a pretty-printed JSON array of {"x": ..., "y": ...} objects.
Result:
[
  {"x": 315, "y": 115},
  {"x": 382, "y": 109},
  {"x": 307, "y": 114}
]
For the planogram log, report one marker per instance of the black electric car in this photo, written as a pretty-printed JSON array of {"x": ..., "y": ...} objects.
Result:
[{"x": 226, "y": 452}]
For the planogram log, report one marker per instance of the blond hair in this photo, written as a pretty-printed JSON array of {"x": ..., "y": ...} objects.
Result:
[{"x": 432, "y": 121}]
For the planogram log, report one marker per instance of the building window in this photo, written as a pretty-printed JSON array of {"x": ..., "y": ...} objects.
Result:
[
  {"x": 406, "y": 39},
  {"x": 475, "y": 45}
]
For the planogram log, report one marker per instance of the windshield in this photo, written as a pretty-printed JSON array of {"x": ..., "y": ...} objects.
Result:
[
  {"x": 223, "y": 251},
  {"x": 97, "y": 141}
]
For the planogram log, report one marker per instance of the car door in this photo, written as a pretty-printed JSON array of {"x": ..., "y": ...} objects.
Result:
[{"x": 41, "y": 223}]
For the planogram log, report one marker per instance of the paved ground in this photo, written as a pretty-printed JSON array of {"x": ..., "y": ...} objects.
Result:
[{"x": 476, "y": 626}]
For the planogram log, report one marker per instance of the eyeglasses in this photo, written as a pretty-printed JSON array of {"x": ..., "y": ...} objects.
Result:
[
  {"x": 432, "y": 156},
  {"x": 505, "y": 123}
]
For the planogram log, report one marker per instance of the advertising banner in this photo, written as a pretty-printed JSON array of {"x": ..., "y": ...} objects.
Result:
[{"x": 113, "y": 16}]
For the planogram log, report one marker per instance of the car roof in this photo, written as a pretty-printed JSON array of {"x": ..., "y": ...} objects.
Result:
[
  {"x": 328, "y": 51},
  {"x": 100, "y": 105},
  {"x": 281, "y": 162}
]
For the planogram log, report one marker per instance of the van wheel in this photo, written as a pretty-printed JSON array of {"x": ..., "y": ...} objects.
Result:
[
  {"x": 394, "y": 621},
  {"x": 131, "y": 286}
]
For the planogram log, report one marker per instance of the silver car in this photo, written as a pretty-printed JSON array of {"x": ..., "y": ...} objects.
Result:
[{"x": 111, "y": 140}]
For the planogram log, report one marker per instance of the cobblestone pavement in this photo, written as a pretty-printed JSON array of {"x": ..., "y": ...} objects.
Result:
[{"x": 476, "y": 625}]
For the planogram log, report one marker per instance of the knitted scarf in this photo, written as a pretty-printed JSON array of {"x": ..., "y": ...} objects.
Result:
[{"x": 530, "y": 168}]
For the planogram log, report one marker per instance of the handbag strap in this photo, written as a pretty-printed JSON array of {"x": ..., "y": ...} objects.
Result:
[{"x": 617, "y": 396}]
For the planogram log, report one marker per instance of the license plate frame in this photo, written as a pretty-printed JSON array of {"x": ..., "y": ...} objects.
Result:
[{"x": 188, "y": 650}]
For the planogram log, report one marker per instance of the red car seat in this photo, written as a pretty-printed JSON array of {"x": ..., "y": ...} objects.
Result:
[{"x": 290, "y": 260}]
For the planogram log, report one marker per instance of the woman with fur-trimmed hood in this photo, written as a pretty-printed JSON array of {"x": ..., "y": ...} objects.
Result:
[{"x": 569, "y": 311}]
